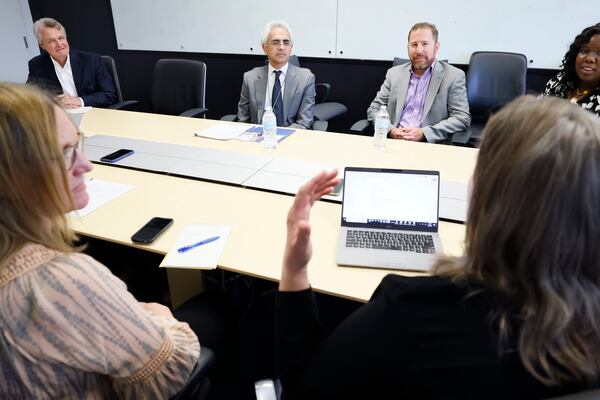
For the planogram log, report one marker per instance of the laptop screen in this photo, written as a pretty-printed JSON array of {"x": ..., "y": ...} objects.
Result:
[{"x": 391, "y": 199}]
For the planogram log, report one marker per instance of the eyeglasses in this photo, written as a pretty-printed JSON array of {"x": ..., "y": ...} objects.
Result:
[
  {"x": 277, "y": 43},
  {"x": 70, "y": 152}
]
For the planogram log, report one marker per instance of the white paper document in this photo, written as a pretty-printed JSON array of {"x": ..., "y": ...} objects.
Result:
[
  {"x": 78, "y": 110},
  {"x": 199, "y": 256},
  {"x": 222, "y": 131},
  {"x": 101, "y": 193}
]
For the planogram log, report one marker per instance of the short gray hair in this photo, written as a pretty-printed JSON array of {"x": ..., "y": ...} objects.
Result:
[
  {"x": 272, "y": 25},
  {"x": 47, "y": 23}
]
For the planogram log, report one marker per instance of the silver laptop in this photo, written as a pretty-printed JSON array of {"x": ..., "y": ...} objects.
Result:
[{"x": 390, "y": 218}]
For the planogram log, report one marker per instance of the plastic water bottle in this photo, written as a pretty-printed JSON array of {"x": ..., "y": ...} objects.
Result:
[
  {"x": 269, "y": 123},
  {"x": 382, "y": 123}
]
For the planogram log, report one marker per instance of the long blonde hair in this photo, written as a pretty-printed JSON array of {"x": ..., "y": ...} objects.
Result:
[
  {"x": 533, "y": 234},
  {"x": 33, "y": 181}
]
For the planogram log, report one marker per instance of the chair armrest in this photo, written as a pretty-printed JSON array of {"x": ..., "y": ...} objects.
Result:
[
  {"x": 461, "y": 138},
  {"x": 198, "y": 383},
  {"x": 360, "y": 126},
  {"x": 322, "y": 89},
  {"x": 206, "y": 360},
  {"x": 327, "y": 111},
  {"x": 194, "y": 112},
  {"x": 320, "y": 126},
  {"x": 229, "y": 118},
  {"x": 124, "y": 105}
]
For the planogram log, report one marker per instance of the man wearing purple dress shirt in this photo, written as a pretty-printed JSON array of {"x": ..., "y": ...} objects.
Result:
[{"x": 426, "y": 98}]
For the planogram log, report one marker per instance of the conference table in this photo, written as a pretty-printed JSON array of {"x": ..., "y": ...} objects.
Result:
[{"x": 257, "y": 217}]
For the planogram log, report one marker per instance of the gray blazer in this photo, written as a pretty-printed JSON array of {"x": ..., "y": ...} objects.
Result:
[
  {"x": 298, "y": 97},
  {"x": 446, "y": 109}
]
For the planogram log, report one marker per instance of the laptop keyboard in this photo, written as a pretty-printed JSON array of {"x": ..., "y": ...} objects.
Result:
[{"x": 415, "y": 242}]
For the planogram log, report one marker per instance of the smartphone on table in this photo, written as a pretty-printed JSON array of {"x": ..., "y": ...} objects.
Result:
[
  {"x": 151, "y": 230},
  {"x": 337, "y": 190},
  {"x": 117, "y": 155}
]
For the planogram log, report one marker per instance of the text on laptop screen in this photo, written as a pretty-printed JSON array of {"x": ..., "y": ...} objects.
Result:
[{"x": 395, "y": 199}]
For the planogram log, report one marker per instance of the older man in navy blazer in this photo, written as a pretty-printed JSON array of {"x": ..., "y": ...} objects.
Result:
[
  {"x": 78, "y": 78},
  {"x": 292, "y": 97}
]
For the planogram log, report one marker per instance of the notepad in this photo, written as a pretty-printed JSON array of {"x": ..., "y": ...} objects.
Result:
[
  {"x": 256, "y": 131},
  {"x": 201, "y": 257},
  {"x": 222, "y": 131}
]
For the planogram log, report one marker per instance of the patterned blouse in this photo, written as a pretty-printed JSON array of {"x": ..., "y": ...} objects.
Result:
[
  {"x": 559, "y": 87},
  {"x": 71, "y": 330}
]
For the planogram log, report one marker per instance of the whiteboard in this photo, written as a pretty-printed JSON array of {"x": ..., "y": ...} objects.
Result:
[
  {"x": 356, "y": 29},
  {"x": 223, "y": 26},
  {"x": 540, "y": 29}
]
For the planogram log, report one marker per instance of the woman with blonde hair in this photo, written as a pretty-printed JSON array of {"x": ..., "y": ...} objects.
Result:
[
  {"x": 69, "y": 328},
  {"x": 517, "y": 316}
]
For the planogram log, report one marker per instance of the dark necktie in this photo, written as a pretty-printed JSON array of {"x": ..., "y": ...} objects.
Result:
[{"x": 276, "y": 99}]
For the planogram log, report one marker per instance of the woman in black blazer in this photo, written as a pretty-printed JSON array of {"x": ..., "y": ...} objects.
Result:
[{"x": 516, "y": 316}]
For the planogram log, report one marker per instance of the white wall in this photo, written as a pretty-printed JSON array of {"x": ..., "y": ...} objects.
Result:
[{"x": 356, "y": 29}]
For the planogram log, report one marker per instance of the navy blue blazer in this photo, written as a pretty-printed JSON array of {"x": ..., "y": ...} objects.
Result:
[{"x": 92, "y": 81}]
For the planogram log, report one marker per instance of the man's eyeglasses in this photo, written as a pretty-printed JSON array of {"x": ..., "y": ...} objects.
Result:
[
  {"x": 277, "y": 43},
  {"x": 70, "y": 152}
]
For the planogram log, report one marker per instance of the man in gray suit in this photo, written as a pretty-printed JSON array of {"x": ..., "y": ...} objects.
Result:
[
  {"x": 288, "y": 89},
  {"x": 426, "y": 98}
]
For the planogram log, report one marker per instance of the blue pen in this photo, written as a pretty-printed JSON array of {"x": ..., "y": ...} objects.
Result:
[{"x": 200, "y": 243}]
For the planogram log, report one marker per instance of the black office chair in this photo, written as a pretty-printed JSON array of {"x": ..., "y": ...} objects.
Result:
[
  {"x": 110, "y": 65},
  {"x": 494, "y": 78},
  {"x": 399, "y": 61},
  {"x": 179, "y": 88},
  {"x": 198, "y": 385},
  {"x": 324, "y": 111}
]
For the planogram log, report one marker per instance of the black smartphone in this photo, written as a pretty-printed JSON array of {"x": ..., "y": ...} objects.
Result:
[
  {"x": 151, "y": 230},
  {"x": 117, "y": 155}
]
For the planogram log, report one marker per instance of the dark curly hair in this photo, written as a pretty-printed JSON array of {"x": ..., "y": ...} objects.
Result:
[{"x": 568, "y": 64}]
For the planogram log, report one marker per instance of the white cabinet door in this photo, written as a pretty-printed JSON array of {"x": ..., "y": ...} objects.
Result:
[{"x": 17, "y": 41}]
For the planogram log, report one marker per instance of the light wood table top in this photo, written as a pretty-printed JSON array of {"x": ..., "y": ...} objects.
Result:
[{"x": 257, "y": 218}]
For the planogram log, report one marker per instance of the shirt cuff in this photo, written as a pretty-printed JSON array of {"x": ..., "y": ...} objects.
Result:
[{"x": 82, "y": 103}]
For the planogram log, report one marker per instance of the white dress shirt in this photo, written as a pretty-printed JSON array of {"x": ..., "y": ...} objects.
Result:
[
  {"x": 271, "y": 83},
  {"x": 65, "y": 77}
]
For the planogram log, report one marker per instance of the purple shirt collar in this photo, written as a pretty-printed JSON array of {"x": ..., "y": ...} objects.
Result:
[{"x": 412, "y": 114}]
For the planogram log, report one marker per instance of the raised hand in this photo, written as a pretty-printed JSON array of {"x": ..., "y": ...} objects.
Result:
[{"x": 298, "y": 248}]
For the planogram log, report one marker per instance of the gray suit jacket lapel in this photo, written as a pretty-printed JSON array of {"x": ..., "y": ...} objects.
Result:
[
  {"x": 402, "y": 91},
  {"x": 260, "y": 89},
  {"x": 434, "y": 85},
  {"x": 291, "y": 84}
]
